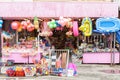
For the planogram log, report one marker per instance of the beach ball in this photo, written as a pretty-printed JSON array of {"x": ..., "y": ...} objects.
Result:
[
  {"x": 62, "y": 23},
  {"x": 30, "y": 28},
  {"x": 28, "y": 22},
  {"x": 58, "y": 25},
  {"x": 24, "y": 24},
  {"x": 15, "y": 25},
  {"x": 1, "y": 21},
  {"x": 19, "y": 29}
]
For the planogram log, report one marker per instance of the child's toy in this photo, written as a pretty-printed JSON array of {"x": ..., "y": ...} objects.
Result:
[
  {"x": 10, "y": 62},
  {"x": 15, "y": 71},
  {"x": 57, "y": 71},
  {"x": 86, "y": 26},
  {"x": 10, "y": 72},
  {"x": 72, "y": 67},
  {"x": 42, "y": 66},
  {"x": 19, "y": 71},
  {"x": 30, "y": 71}
]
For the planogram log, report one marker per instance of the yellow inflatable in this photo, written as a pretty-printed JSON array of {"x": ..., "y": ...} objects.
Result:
[{"x": 86, "y": 26}]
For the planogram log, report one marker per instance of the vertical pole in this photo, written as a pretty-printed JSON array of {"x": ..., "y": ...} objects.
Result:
[
  {"x": 114, "y": 49},
  {"x": 77, "y": 42},
  {"x": 39, "y": 46},
  {"x": 67, "y": 61},
  {"x": 16, "y": 37},
  {"x": 0, "y": 42},
  {"x": 111, "y": 51},
  {"x": 119, "y": 53}
]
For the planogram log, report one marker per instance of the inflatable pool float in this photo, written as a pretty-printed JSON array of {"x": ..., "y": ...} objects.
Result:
[
  {"x": 100, "y": 32},
  {"x": 86, "y": 26},
  {"x": 118, "y": 36},
  {"x": 108, "y": 24},
  {"x": 75, "y": 29}
]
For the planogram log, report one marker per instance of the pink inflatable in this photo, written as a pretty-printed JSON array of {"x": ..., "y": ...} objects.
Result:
[
  {"x": 75, "y": 28},
  {"x": 72, "y": 66}
]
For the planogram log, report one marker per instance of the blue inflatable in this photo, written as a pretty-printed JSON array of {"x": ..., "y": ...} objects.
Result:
[
  {"x": 100, "y": 32},
  {"x": 0, "y": 25},
  {"x": 1, "y": 22},
  {"x": 118, "y": 36},
  {"x": 108, "y": 24}
]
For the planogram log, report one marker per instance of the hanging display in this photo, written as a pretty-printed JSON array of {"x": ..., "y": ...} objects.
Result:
[
  {"x": 36, "y": 23},
  {"x": 1, "y": 22},
  {"x": 108, "y": 24},
  {"x": 86, "y": 26},
  {"x": 15, "y": 25}
]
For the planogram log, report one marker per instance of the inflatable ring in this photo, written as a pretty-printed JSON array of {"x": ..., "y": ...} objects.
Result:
[
  {"x": 75, "y": 29},
  {"x": 86, "y": 26}
]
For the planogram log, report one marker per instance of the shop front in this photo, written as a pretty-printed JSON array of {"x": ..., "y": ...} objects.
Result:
[{"x": 30, "y": 29}]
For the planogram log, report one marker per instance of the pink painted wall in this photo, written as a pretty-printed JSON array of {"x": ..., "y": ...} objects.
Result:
[
  {"x": 56, "y": 9},
  {"x": 19, "y": 59},
  {"x": 100, "y": 57}
]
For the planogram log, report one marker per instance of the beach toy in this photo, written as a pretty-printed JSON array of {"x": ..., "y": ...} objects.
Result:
[
  {"x": 15, "y": 25},
  {"x": 30, "y": 27},
  {"x": 101, "y": 32},
  {"x": 108, "y": 24},
  {"x": 24, "y": 24},
  {"x": 10, "y": 72},
  {"x": 1, "y": 22},
  {"x": 0, "y": 25},
  {"x": 73, "y": 67},
  {"x": 28, "y": 22},
  {"x": 19, "y": 71},
  {"x": 6, "y": 35},
  {"x": 69, "y": 33},
  {"x": 60, "y": 70},
  {"x": 69, "y": 25},
  {"x": 19, "y": 29},
  {"x": 86, "y": 26},
  {"x": 118, "y": 36},
  {"x": 58, "y": 25},
  {"x": 75, "y": 28},
  {"x": 61, "y": 22},
  {"x": 36, "y": 23},
  {"x": 45, "y": 31},
  {"x": 52, "y": 24}
]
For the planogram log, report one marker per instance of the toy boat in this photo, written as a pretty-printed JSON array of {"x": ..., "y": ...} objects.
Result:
[
  {"x": 108, "y": 24},
  {"x": 86, "y": 26}
]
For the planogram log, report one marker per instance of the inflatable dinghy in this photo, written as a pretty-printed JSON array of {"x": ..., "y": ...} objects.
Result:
[{"x": 108, "y": 24}]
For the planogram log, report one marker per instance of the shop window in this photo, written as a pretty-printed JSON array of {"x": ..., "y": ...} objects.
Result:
[{"x": 98, "y": 43}]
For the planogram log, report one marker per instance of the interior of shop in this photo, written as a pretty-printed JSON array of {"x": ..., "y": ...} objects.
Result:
[{"x": 95, "y": 43}]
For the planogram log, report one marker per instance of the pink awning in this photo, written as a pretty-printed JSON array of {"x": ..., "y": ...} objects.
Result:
[{"x": 57, "y": 9}]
